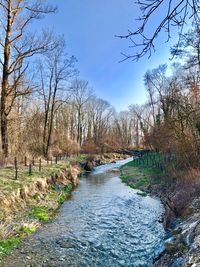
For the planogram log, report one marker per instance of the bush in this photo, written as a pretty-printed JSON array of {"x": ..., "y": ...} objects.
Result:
[{"x": 89, "y": 147}]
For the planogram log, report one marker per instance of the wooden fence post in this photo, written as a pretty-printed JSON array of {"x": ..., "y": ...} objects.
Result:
[
  {"x": 25, "y": 161},
  {"x": 56, "y": 159},
  {"x": 40, "y": 165},
  {"x": 16, "y": 168},
  {"x": 30, "y": 169},
  {"x": 33, "y": 161}
]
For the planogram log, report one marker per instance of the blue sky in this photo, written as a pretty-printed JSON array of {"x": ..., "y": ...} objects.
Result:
[{"x": 89, "y": 27}]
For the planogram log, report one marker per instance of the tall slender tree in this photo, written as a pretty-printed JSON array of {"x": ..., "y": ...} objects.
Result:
[
  {"x": 17, "y": 46},
  {"x": 55, "y": 73}
]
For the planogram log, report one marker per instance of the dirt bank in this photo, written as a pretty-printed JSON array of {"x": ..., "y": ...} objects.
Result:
[
  {"x": 182, "y": 216},
  {"x": 92, "y": 161}
]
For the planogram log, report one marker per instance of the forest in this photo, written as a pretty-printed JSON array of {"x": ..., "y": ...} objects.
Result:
[{"x": 47, "y": 109}]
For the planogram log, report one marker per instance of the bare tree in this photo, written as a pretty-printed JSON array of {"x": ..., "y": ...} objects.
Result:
[
  {"x": 55, "y": 72},
  {"x": 172, "y": 13},
  {"x": 17, "y": 46},
  {"x": 189, "y": 48},
  {"x": 124, "y": 127},
  {"x": 99, "y": 114},
  {"x": 151, "y": 94},
  {"x": 80, "y": 95}
]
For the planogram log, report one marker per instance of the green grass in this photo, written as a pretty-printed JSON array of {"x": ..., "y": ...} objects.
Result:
[
  {"x": 24, "y": 231},
  {"x": 36, "y": 215},
  {"x": 60, "y": 194},
  {"x": 140, "y": 174},
  {"x": 8, "y": 184},
  {"x": 79, "y": 158},
  {"x": 44, "y": 213},
  {"x": 149, "y": 159},
  {"x": 66, "y": 190},
  {"x": 41, "y": 213},
  {"x": 143, "y": 182},
  {"x": 40, "y": 209},
  {"x": 61, "y": 198},
  {"x": 7, "y": 245}
]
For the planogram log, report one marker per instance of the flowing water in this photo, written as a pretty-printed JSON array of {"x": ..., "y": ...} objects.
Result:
[{"x": 104, "y": 223}]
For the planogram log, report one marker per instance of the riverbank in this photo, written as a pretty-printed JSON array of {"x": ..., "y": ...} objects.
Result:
[
  {"x": 180, "y": 196},
  {"x": 33, "y": 200},
  {"x": 104, "y": 223}
]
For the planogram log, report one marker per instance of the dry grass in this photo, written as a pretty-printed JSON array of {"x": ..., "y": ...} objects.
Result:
[
  {"x": 43, "y": 192},
  {"x": 8, "y": 184}
]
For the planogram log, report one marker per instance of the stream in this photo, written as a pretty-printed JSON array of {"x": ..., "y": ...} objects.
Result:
[{"x": 103, "y": 224}]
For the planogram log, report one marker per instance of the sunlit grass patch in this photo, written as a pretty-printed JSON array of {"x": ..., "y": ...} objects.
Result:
[
  {"x": 8, "y": 184},
  {"x": 24, "y": 230},
  {"x": 17, "y": 234},
  {"x": 139, "y": 176},
  {"x": 41, "y": 213},
  {"x": 141, "y": 183},
  {"x": 7, "y": 245}
]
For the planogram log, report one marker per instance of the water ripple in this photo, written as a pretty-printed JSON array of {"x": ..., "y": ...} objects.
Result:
[{"x": 104, "y": 224}]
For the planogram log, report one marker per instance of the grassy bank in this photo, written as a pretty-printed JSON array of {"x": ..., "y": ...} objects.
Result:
[
  {"x": 31, "y": 200},
  {"x": 142, "y": 174}
]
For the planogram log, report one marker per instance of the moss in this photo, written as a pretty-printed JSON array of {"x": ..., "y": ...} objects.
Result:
[
  {"x": 177, "y": 231},
  {"x": 142, "y": 194},
  {"x": 188, "y": 212},
  {"x": 171, "y": 247}
]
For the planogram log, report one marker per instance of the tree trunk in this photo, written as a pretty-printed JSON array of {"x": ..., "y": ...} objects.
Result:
[
  {"x": 49, "y": 133},
  {"x": 79, "y": 127},
  {"x": 4, "y": 126},
  {"x": 52, "y": 113},
  {"x": 4, "y": 85}
]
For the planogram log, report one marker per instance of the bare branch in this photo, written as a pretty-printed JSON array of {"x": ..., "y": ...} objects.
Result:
[{"x": 176, "y": 14}]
